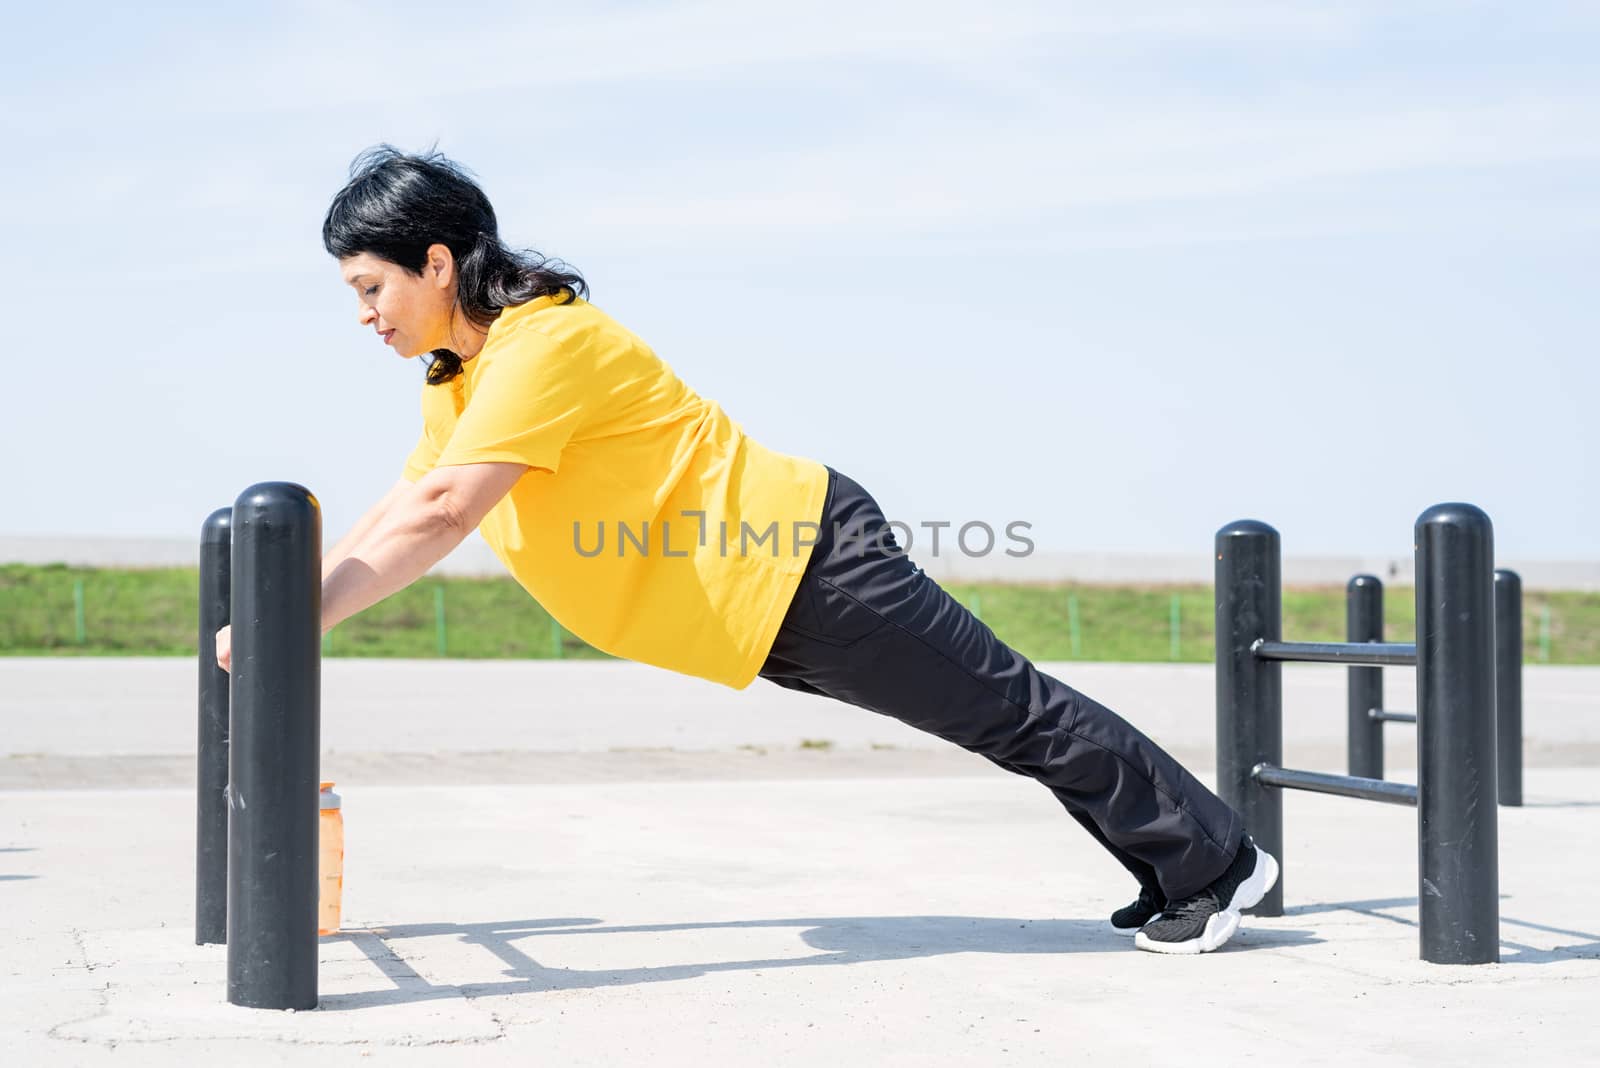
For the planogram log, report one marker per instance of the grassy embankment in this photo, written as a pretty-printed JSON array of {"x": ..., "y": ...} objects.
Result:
[{"x": 72, "y": 611}]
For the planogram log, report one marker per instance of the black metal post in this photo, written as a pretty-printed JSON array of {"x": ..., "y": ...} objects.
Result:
[
  {"x": 1363, "y": 615},
  {"x": 1508, "y": 683},
  {"x": 1249, "y": 608},
  {"x": 211, "y": 819},
  {"x": 1458, "y": 870},
  {"x": 275, "y": 731}
]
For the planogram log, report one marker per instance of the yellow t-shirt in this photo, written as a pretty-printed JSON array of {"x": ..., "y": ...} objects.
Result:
[{"x": 649, "y": 524}]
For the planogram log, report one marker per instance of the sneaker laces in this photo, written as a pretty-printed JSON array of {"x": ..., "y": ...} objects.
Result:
[{"x": 1194, "y": 907}]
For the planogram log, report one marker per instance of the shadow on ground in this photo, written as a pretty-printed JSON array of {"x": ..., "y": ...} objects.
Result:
[
  {"x": 1521, "y": 953},
  {"x": 1560, "y": 804},
  {"x": 16, "y": 878},
  {"x": 840, "y": 940}
]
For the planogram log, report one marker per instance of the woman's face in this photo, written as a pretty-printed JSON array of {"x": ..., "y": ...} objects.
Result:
[{"x": 412, "y": 314}]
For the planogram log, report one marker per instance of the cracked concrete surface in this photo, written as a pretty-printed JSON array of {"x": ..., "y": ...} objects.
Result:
[{"x": 950, "y": 916}]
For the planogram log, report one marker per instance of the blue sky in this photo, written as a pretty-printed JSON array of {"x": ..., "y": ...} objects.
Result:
[{"x": 1126, "y": 272}]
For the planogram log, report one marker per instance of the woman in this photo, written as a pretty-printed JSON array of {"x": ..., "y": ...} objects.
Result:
[{"x": 548, "y": 427}]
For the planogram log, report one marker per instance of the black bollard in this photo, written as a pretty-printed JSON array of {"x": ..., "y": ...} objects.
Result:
[
  {"x": 274, "y": 758},
  {"x": 1508, "y": 683},
  {"x": 1249, "y": 688},
  {"x": 1363, "y": 615},
  {"x": 211, "y": 821},
  {"x": 1458, "y": 877}
]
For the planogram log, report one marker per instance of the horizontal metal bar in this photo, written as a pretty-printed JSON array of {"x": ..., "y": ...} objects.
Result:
[
  {"x": 1392, "y": 717},
  {"x": 1377, "y": 654},
  {"x": 1392, "y": 793}
]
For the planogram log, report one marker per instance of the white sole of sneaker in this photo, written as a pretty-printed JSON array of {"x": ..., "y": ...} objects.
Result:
[
  {"x": 1219, "y": 929},
  {"x": 1225, "y": 924}
]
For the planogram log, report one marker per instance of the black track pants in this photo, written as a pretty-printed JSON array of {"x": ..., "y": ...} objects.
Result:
[{"x": 869, "y": 628}]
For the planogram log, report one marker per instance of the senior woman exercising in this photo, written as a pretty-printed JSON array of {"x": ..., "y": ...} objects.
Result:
[{"x": 544, "y": 418}]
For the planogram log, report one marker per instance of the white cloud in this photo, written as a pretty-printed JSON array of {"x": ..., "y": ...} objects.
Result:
[
  {"x": 1071, "y": 144},
  {"x": 345, "y": 57},
  {"x": 968, "y": 175}
]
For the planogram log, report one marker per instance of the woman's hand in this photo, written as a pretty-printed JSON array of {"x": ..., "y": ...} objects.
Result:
[{"x": 225, "y": 649}]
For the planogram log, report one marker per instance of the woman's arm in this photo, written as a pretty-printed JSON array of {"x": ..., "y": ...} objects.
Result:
[
  {"x": 424, "y": 526},
  {"x": 347, "y": 544},
  {"x": 384, "y": 514}
]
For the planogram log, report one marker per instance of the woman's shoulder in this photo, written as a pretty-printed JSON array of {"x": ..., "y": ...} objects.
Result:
[
  {"x": 568, "y": 322},
  {"x": 550, "y": 309}
]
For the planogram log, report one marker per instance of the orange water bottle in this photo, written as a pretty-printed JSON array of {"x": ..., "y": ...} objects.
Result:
[{"x": 330, "y": 861}]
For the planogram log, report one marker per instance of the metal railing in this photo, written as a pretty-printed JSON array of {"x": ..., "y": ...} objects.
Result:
[
  {"x": 1458, "y": 876},
  {"x": 1364, "y": 624}
]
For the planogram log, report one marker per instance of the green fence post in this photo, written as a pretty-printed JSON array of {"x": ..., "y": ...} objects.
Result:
[
  {"x": 438, "y": 615},
  {"x": 1544, "y": 633},
  {"x": 1175, "y": 625},
  {"x": 77, "y": 607},
  {"x": 1072, "y": 626}
]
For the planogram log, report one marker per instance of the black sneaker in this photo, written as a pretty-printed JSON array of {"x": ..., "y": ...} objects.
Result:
[
  {"x": 1204, "y": 921},
  {"x": 1129, "y": 918}
]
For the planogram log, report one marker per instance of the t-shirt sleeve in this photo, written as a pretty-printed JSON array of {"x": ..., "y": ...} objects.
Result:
[
  {"x": 437, "y": 411},
  {"x": 422, "y": 458},
  {"x": 528, "y": 401}
]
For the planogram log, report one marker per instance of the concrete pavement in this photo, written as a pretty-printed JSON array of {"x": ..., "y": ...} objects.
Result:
[
  {"x": 464, "y": 712},
  {"x": 844, "y": 904}
]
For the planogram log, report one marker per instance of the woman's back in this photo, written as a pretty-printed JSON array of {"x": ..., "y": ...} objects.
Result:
[{"x": 650, "y": 525}]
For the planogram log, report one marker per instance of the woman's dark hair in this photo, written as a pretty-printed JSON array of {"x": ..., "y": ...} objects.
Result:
[{"x": 396, "y": 205}]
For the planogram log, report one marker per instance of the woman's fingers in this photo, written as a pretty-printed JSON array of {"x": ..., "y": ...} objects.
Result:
[{"x": 225, "y": 649}]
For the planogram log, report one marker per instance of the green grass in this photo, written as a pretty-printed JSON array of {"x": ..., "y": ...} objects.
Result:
[
  {"x": 1134, "y": 623},
  {"x": 152, "y": 612}
]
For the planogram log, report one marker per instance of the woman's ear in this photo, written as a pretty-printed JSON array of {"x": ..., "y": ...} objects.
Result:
[{"x": 441, "y": 268}]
